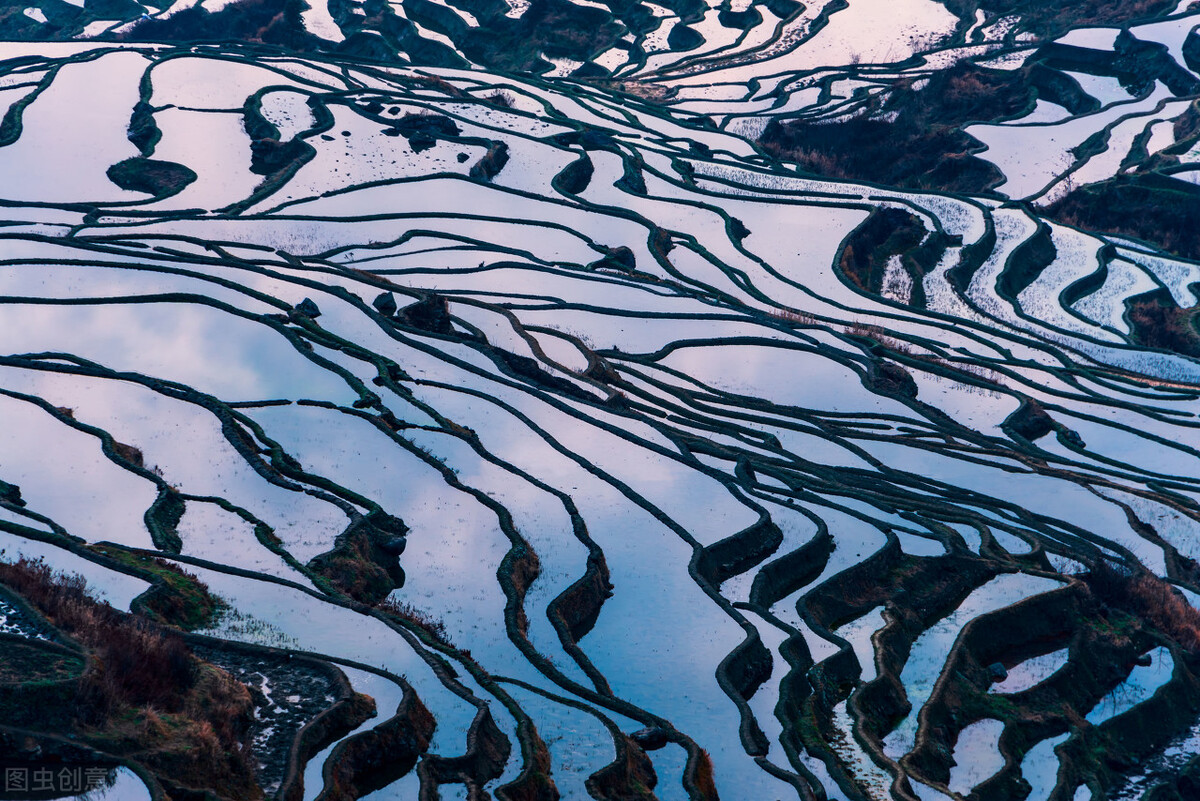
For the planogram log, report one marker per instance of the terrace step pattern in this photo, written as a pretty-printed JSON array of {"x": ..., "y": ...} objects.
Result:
[{"x": 633, "y": 443}]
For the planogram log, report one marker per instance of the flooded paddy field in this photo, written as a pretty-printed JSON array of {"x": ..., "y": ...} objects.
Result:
[{"x": 570, "y": 399}]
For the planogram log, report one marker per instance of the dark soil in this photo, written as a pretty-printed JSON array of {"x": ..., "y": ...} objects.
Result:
[
  {"x": 890, "y": 232},
  {"x": 363, "y": 562},
  {"x": 1157, "y": 322},
  {"x": 1118, "y": 206},
  {"x": 1056, "y": 16},
  {"x": 144, "y": 695},
  {"x": 287, "y": 694},
  {"x": 275, "y": 22},
  {"x": 158, "y": 178},
  {"x": 924, "y": 147},
  {"x": 225, "y": 718}
]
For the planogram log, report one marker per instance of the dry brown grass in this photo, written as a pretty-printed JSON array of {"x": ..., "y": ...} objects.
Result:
[
  {"x": 422, "y": 620},
  {"x": 1119, "y": 205},
  {"x": 376, "y": 277},
  {"x": 703, "y": 776},
  {"x": 130, "y": 453},
  {"x": 1150, "y": 598},
  {"x": 803, "y": 318},
  {"x": 1158, "y": 602},
  {"x": 855, "y": 328},
  {"x": 137, "y": 662},
  {"x": 653, "y": 92},
  {"x": 501, "y": 99},
  {"x": 440, "y": 85},
  {"x": 144, "y": 691},
  {"x": 880, "y": 335}
]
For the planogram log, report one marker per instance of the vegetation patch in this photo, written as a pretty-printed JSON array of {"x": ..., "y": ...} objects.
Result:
[
  {"x": 364, "y": 562},
  {"x": 1118, "y": 206},
  {"x": 177, "y": 597},
  {"x": 1156, "y": 321},
  {"x": 923, "y": 146},
  {"x": 275, "y": 22},
  {"x": 31, "y": 661},
  {"x": 144, "y": 695},
  {"x": 557, "y": 28},
  {"x": 372, "y": 760},
  {"x": 158, "y": 178},
  {"x": 892, "y": 234}
]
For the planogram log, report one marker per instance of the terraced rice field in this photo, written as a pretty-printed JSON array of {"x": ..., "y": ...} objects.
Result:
[{"x": 520, "y": 361}]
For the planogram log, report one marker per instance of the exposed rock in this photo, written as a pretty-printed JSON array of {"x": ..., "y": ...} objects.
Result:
[
  {"x": 394, "y": 546},
  {"x": 308, "y": 308},
  {"x": 11, "y": 493},
  {"x": 385, "y": 303},
  {"x": 651, "y": 738}
]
